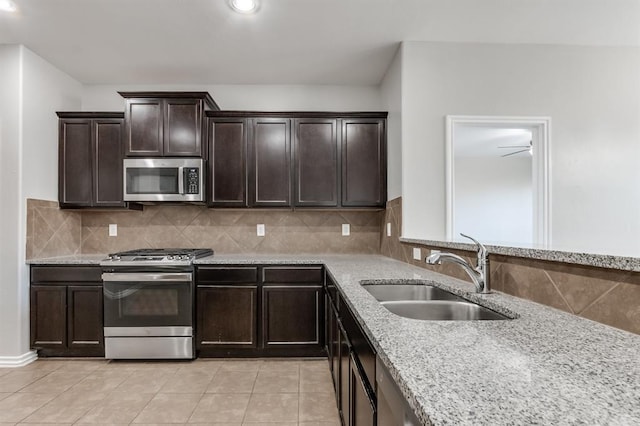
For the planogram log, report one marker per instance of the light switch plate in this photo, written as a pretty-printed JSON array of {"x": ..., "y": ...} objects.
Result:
[
  {"x": 388, "y": 229},
  {"x": 346, "y": 229},
  {"x": 260, "y": 231},
  {"x": 416, "y": 253},
  {"x": 113, "y": 229}
]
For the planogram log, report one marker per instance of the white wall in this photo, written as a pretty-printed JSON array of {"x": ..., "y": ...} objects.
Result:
[
  {"x": 592, "y": 95},
  {"x": 391, "y": 93},
  {"x": 11, "y": 321},
  {"x": 32, "y": 91},
  {"x": 494, "y": 199},
  {"x": 251, "y": 97}
]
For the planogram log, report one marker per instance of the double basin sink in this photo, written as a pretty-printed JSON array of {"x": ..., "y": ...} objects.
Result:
[{"x": 426, "y": 302}]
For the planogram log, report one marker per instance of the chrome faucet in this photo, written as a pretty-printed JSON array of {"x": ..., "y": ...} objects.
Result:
[{"x": 479, "y": 274}]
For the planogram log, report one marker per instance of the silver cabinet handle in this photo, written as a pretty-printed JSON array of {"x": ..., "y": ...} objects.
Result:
[{"x": 141, "y": 277}]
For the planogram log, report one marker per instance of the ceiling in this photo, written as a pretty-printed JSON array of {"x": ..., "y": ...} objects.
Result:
[{"x": 341, "y": 42}]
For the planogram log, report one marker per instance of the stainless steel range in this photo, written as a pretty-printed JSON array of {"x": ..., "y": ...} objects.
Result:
[{"x": 148, "y": 303}]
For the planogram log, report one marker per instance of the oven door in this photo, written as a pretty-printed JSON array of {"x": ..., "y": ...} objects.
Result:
[{"x": 148, "y": 304}]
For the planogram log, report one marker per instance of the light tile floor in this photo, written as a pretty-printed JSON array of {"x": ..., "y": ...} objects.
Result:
[{"x": 269, "y": 392}]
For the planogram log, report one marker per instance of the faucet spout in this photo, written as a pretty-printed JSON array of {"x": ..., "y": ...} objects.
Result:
[{"x": 479, "y": 274}]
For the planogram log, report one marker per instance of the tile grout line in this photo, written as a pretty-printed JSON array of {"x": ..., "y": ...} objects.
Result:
[
  {"x": 553, "y": 283},
  {"x": 599, "y": 298}
]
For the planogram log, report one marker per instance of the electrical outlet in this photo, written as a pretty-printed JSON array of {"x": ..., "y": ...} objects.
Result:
[
  {"x": 416, "y": 253},
  {"x": 260, "y": 231},
  {"x": 113, "y": 229},
  {"x": 388, "y": 229},
  {"x": 346, "y": 229}
]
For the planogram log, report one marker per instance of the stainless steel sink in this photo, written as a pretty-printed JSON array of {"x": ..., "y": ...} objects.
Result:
[
  {"x": 441, "y": 310},
  {"x": 386, "y": 292}
]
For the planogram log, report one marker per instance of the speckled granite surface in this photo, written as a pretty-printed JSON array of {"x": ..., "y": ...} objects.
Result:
[
  {"x": 589, "y": 259},
  {"x": 79, "y": 259},
  {"x": 544, "y": 367}
]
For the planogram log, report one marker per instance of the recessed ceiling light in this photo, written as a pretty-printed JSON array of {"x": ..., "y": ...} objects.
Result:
[
  {"x": 242, "y": 6},
  {"x": 7, "y": 6}
]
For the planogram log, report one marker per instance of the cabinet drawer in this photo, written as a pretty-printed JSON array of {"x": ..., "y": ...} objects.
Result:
[
  {"x": 239, "y": 275},
  {"x": 307, "y": 274},
  {"x": 66, "y": 274}
]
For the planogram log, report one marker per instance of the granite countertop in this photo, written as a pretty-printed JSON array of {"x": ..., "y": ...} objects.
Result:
[
  {"x": 624, "y": 263},
  {"x": 544, "y": 367},
  {"x": 77, "y": 259}
]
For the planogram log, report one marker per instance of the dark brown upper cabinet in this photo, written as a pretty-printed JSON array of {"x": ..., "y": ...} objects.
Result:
[
  {"x": 90, "y": 159},
  {"x": 364, "y": 163},
  {"x": 316, "y": 162},
  {"x": 170, "y": 124},
  {"x": 270, "y": 162},
  {"x": 227, "y": 140},
  {"x": 297, "y": 159}
]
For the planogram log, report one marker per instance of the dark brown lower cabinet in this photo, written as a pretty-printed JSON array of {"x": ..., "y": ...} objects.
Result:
[
  {"x": 66, "y": 311},
  {"x": 227, "y": 317},
  {"x": 291, "y": 317},
  {"x": 344, "y": 355},
  {"x": 260, "y": 311},
  {"x": 362, "y": 403}
]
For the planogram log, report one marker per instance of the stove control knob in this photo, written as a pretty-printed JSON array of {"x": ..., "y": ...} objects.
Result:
[
  {"x": 169, "y": 257},
  {"x": 184, "y": 257}
]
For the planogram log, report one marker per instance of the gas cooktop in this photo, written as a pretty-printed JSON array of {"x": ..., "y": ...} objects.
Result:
[{"x": 151, "y": 256}]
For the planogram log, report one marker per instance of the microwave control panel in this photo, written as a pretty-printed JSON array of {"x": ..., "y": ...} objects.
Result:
[{"x": 192, "y": 180}]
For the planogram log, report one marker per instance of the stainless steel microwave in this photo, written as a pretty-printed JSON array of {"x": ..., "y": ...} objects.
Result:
[{"x": 164, "y": 179}]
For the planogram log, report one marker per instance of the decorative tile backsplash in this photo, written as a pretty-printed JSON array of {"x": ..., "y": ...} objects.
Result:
[
  {"x": 232, "y": 231},
  {"x": 605, "y": 295},
  {"x": 51, "y": 231}
]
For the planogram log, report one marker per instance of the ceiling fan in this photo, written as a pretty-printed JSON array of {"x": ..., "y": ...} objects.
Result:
[{"x": 518, "y": 149}]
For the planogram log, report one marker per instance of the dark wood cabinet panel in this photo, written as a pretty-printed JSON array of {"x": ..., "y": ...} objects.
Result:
[
  {"x": 48, "y": 317},
  {"x": 182, "y": 127},
  {"x": 287, "y": 274},
  {"x": 227, "y": 274},
  {"x": 107, "y": 162},
  {"x": 85, "y": 330},
  {"x": 227, "y": 316},
  {"x": 270, "y": 163},
  {"x": 316, "y": 162},
  {"x": 75, "y": 166},
  {"x": 165, "y": 123},
  {"x": 363, "y": 409},
  {"x": 90, "y": 160},
  {"x": 363, "y": 163},
  {"x": 292, "y": 315},
  {"x": 344, "y": 356},
  {"x": 66, "y": 310},
  {"x": 227, "y": 162},
  {"x": 144, "y": 127}
]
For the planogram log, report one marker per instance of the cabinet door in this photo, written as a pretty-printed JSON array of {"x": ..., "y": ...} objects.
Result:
[
  {"x": 227, "y": 162},
  {"x": 364, "y": 161},
  {"x": 345, "y": 375},
  {"x": 144, "y": 127},
  {"x": 107, "y": 156},
  {"x": 316, "y": 163},
  {"x": 292, "y": 315},
  {"x": 227, "y": 316},
  {"x": 84, "y": 320},
  {"x": 49, "y": 318},
  {"x": 363, "y": 411},
  {"x": 270, "y": 172},
  {"x": 75, "y": 168},
  {"x": 182, "y": 127},
  {"x": 333, "y": 339}
]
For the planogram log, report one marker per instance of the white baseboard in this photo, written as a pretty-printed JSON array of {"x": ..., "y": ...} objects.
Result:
[{"x": 18, "y": 361}]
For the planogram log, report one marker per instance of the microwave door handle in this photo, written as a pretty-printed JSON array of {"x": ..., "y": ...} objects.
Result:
[{"x": 181, "y": 180}]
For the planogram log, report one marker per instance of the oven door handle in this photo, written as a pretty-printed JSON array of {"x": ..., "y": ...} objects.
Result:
[{"x": 143, "y": 277}]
